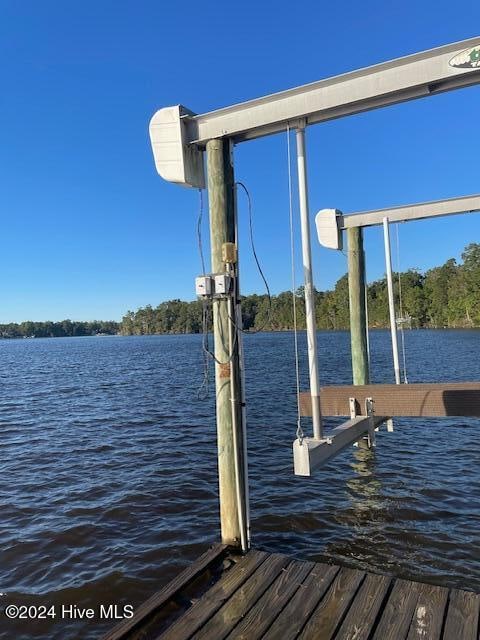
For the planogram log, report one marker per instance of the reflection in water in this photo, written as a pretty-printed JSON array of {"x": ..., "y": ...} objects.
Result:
[
  {"x": 364, "y": 501},
  {"x": 365, "y": 485}
]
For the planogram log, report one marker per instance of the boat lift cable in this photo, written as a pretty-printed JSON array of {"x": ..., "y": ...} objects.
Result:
[
  {"x": 300, "y": 434},
  {"x": 202, "y": 392},
  {"x": 257, "y": 261},
  {"x": 367, "y": 331},
  {"x": 402, "y": 333},
  {"x": 367, "y": 327},
  {"x": 199, "y": 231}
]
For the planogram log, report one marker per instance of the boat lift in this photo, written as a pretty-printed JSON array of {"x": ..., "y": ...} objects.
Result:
[
  {"x": 376, "y": 403},
  {"x": 180, "y": 139}
]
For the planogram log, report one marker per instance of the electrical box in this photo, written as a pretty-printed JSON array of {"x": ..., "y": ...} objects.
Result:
[
  {"x": 203, "y": 286},
  {"x": 223, "y": 283}
]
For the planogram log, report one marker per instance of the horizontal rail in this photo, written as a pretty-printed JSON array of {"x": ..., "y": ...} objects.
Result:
[
  {"x": 406, "y": 213},
  {"x": 407, "y": 78},
  {"x": 409, "y": 400}
]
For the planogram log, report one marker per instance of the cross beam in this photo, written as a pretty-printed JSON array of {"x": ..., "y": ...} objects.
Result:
[
  {"x": 178, "y": 136},
  {"x": 331, "y": 222},
  {"x": 310, "y": 454},
  {"x": 434, "y": 209}
]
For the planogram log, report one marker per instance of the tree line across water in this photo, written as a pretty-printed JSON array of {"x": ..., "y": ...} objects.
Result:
[
  {"x": 444, "y": 297},
  {"x": 62, "y": 329}
]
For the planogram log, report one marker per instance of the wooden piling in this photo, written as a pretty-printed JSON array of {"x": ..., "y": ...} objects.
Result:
[
  {"x": 356, "y": 290},
  {"x": 229, "y": 414}
]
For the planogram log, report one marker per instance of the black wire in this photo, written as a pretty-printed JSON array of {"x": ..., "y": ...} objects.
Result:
[
  {"x": 205, "y": 316},
  {"x": 252, "y": 242},
  {"x": 203, "y": 390},
  {"x": 199, "y": 232}
]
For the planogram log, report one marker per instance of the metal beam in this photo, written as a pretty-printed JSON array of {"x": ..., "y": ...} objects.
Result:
[
  {"x": 309, "y": 454},
  {"x": 407, "y": 213},
  {"x": 415, "y": 76},
  {"x": 178, "y": 136}
]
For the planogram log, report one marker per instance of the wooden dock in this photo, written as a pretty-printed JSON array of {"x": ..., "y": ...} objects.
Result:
[{"x": 274, "y": 597}]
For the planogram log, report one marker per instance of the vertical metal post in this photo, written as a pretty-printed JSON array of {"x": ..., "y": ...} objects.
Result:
[
  {"x": 391, "y": 302},
  {"x": 356, "y": 294},
  {"x": 230, "y": 425},
  {"x": 308, "y": 282}
]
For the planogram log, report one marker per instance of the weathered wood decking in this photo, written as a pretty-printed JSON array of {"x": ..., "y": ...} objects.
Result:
[{"x": 273, "y": 597}]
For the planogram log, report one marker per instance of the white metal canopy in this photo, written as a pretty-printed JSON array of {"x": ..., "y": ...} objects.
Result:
[{"x": 178, "y": 136}]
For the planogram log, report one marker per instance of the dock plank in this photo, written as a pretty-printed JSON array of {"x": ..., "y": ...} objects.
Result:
[
  {"x": 264, "y": 596},
  {"x": 462, "y": 620},
  {"x": 292, "y": 619},
  {"x": 145, "y": 611},
  {"x": 364, "y": 610},
  {"x": 210, "y": 602},
  {"x": 262, "y": 615},
  {"x": 329, "y": 613},
  {"x": 223, "y": 622},
  {"x": 398, "y": 613},
  {"x": 427, "y": 620}
]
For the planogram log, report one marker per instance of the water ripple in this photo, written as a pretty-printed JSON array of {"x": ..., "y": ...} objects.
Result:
[{"x": 109, "y": 479}]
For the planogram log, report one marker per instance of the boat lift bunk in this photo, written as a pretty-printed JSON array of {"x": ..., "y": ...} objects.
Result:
[{"x": 181, "y": 139}]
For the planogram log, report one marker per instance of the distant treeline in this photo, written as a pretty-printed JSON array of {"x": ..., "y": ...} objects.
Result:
[
  {"x": 446, "y": 296},
  {"x": 61, "y": 329}
]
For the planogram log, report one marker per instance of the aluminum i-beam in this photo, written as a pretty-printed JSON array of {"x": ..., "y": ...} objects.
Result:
[
  {"x": 434, "y": 209},
  {"x": 178, "y": 136},
  {"x": 310, "y": 454},
  {"x": 331, "y": 222}
]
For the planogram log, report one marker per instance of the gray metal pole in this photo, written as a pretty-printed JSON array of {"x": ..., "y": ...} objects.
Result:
[
  {"x": 358, "y": 322},
  {"x": 309, "y": 290},
  {"x": 231, "y": 450},
  {"x": 391, "y": 302}
]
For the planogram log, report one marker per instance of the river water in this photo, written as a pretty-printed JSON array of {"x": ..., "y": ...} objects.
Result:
[{"x": 108, "y": 470}]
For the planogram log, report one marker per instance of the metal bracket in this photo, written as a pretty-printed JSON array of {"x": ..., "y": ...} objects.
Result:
[
  {"x": 369, "y": 407},
  {"x": 370, "y": 411},
  {"x": 353, "y": 407}
]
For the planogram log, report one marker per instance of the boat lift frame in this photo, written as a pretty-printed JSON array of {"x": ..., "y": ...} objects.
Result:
[
  {"x": 179, "y": 138},
  {"x": 331, "y": 223},
  {"x": 417, "y": 399}
]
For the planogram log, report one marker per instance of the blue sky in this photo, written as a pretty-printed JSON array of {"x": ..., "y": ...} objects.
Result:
[{"x": 88, "y": 228}]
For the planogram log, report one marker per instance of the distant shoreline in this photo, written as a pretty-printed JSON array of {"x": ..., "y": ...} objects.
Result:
[
  {"x": 146, "y": 335},
  {"x": 61, "y": 329}
]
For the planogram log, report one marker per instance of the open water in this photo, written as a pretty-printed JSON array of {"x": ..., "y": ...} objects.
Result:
[{"x": 108, "y": 480}]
